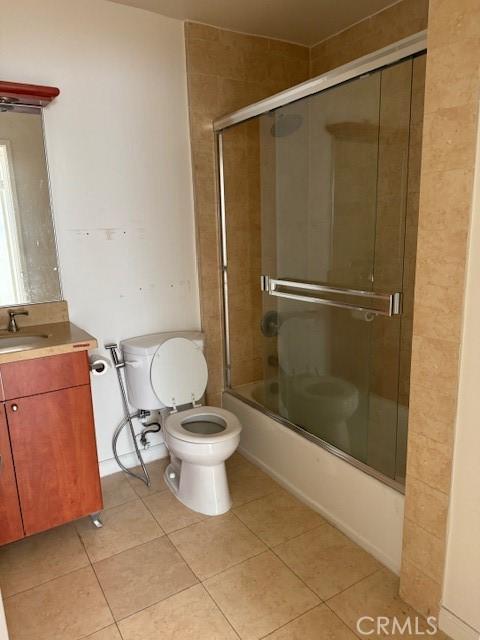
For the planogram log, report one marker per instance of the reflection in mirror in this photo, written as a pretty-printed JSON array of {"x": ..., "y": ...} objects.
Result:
[{"x": 28, "y": 256}]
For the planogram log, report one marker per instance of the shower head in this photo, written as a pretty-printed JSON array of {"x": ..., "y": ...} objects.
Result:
[{"x": 286, "y": 124}]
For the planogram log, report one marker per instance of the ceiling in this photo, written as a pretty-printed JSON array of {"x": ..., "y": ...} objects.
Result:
[{"x": 303, "y": 21}]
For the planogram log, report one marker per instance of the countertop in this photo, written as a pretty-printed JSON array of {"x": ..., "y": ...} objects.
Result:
[{"x": 63, "y": 337}]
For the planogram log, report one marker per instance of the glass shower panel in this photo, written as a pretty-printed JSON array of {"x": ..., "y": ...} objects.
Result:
[
  {"x": 326, "y": 166},
  {"x": 315, "y": 199}
]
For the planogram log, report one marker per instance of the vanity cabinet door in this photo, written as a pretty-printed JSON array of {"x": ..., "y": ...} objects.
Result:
[
  {"x": 53, "y": 443},
  {"x": 11, "y": 527}
]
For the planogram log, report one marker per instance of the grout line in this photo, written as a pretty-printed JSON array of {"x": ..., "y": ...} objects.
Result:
[
  {"x": 122, "y": 637},
  {"x": 154, "y": 604},
  {"x": 319, "y": 604},
  {"x": 151, "y": 512},
  {"x": 202, "y": 580},
  {"x": 298, "y": 577},
  {"x": 274, "y": 546},
  {"x": 353, "y": 24},
  {"x": 95, "y": 632},
  {"x": 220, "y": 609},
  {"x": 246, "y": 33},
  {"x": 345, "y": 622},
  {"x": 242, "y": 562},
  {"x": 135, "y": 546},
  {"x": 42, "y": 584},
  {"x": 232, "y": 566},
  {"x": 342, "y": 621},
  {"x": 62, "y": 575},
  {"x": 167, "y": 533},
  {"x": 98, "y": 581},
  {"x": 201, "y": 583},
  {"x": 355, "y": 633}
]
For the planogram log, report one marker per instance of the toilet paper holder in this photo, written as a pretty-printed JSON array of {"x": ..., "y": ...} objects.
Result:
[{"x": 99, "y": 366}]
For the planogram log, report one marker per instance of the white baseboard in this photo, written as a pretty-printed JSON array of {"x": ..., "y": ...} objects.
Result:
[
  {"x": 455, "y": 627},
  {"x": 110, "y": 466},
  {"x": 340, "y": 524}
]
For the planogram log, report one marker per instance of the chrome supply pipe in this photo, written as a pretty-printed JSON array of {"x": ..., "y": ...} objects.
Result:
[{"x": 127, "y": 420}]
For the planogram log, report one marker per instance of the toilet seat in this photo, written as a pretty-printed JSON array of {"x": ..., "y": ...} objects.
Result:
[
  {"x": 174, "y": 425},
  {"x": 178, "y": 372}
]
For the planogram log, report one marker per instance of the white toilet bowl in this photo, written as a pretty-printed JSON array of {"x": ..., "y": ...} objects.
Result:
[
  {"x": 324, "y": 404},
  {"x": 200, "y": 440},
  {"x": 169, "y": 370}
]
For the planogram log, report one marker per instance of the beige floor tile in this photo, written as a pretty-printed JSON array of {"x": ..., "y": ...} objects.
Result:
[
  {"x": 109, "y": 633},
  {"x": 375, "y": 596},
  {"x": 170, "y": 512},
  {"x": 124, "y": 527},
  {"x": 116, "y": 489},
  {"x": 278, "y": 517},
  {"x": 37, "y": 559},
  {"x": 67, "y": 608},
  {"x": 155, "y": 469},
  {"x": 318, "y": 624},
  {"x": 327, "y": 560},
  {"x": 260, "y": 595},
  {"x": 235, "y": 460},
  {"x": 189, "y": 615},
  {"x": 216, "y": 544},
  {"x": 139, "y": 577},
  {"x": 247, "y": 482}
]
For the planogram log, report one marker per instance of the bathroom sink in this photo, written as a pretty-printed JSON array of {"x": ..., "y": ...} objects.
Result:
[{"x": 10, "y": 343}]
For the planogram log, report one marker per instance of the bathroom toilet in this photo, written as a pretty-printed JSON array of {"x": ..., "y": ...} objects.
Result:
[
  {"x": 309, "y": 396},
  {"x": 324, "y": 403},
  {"x": 170, "y": 370}
]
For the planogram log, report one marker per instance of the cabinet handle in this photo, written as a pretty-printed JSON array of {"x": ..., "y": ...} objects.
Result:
[{"x": 14, "y": 407}]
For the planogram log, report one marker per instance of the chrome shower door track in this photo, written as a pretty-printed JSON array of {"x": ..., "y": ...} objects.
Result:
[
  {"x": 358, "y": 464},
  {"x": 391, "y": 54}
]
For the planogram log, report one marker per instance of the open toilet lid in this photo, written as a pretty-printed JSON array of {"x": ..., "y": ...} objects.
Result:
[{"x": 179, "y": 372}]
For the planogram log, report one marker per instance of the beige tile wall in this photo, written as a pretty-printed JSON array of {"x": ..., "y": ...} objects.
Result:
[
  {"x": 226, "y": 71},
  {"x": 450, "y": 127},
  {"x": 380, "y": 30},
  {"x": 244, "y": 240},
  {"x": 42, "y": 313}
]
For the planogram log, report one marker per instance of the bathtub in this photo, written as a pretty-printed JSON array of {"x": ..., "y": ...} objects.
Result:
[{"x": 367, "y": 510}]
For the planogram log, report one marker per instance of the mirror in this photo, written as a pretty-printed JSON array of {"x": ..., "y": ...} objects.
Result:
[{"x": 28, "y": 255}]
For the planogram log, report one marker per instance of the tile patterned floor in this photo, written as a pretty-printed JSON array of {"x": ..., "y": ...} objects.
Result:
[{"x": 270, "y": 568}]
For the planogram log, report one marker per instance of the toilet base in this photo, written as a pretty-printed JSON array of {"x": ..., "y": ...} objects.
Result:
[{"x": 201, "y": 488}]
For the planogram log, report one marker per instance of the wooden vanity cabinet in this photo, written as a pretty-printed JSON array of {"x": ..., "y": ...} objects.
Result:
[
  {"x": 11, "y": 527},
  {"x": 47, "y": 402}
]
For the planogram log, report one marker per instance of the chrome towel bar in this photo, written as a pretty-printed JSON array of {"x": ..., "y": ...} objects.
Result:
[{"x": 388, "y": 304}]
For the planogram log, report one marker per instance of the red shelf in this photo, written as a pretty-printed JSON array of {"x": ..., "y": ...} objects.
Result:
[{"x": 28, "y": 93}]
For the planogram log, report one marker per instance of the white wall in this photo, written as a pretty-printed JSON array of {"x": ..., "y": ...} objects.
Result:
[
  {"x": 460, "y": 615},
  {"x": 119, "y": 155}
]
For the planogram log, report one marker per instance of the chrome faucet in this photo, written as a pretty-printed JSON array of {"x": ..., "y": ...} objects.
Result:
[{"x": 12, "y": 323}]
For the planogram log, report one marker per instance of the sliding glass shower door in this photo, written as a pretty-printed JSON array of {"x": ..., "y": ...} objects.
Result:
[{"x": 319, "y": 296}]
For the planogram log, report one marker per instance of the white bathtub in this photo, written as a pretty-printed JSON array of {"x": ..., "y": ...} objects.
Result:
[{"x": 365, "y": 509}]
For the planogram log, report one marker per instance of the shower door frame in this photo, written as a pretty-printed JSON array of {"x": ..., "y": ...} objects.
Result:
[{"x": 403, "y": 49}]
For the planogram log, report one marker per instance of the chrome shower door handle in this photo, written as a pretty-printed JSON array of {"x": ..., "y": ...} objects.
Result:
[{"x": 383, "y": 304}]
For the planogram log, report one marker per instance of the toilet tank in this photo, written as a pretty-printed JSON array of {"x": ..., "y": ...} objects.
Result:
[{"x": 138, "y": 354}]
